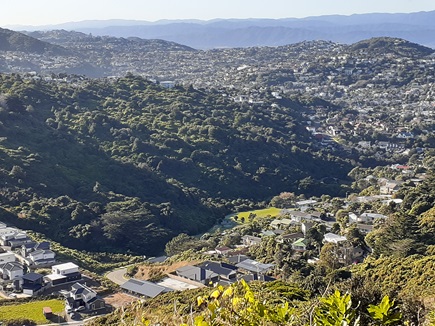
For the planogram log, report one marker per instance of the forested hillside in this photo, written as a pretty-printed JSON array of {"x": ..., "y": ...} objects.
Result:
[{"x": 129, "y": 164}]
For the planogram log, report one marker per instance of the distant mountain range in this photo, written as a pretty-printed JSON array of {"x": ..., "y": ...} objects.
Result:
[{"x": 416, "y": 27}]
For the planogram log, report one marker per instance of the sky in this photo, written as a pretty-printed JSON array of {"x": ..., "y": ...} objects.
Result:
[{"x": 46, "y": 12}]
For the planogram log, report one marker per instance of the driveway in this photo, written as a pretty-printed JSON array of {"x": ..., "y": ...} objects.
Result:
[{"x": 117, "y": 276}]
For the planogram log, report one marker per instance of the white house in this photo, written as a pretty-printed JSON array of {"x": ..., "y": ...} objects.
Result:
[
  {"x": 168, "y": 84},
  {"x": 40, "y": 257},
  {"x": 281, "y": 223},
  {"x": 7, "y": 234},
  {"x": 370, "y": 217},
  {"x": 83, "y": 296},
  {"x": 333, "y": 238},
  {"x": 13, "y": 237},
  {"x": 353, "y": 218},
  {"x": 12, "y": 271},
  {"x": 7, "y": 257},
  {"x": 65, "y": 269},
  {"x": 297, "y": 216},
  {"x": 63, "y": 273}
]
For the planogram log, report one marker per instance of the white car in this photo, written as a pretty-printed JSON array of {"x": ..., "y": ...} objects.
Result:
[{"x": 80, "y": 308}]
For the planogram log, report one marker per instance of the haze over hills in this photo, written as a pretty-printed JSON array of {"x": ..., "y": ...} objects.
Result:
[
  {"x": 417, "y": 27},
  {"x": 12, "y": 41}
]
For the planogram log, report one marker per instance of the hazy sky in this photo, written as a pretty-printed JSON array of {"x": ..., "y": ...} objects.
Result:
[{"x": 43, "y": 12}]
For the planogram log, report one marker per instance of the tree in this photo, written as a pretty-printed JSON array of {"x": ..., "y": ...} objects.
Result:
[
  {"x": 329, "y": 257},
  {"x": 178, "y": 244}
]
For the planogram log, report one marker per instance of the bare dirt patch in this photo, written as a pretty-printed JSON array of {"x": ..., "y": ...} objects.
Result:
[
  {"x": 119, "y": 299},
  {"x": 146, "y": 272}
]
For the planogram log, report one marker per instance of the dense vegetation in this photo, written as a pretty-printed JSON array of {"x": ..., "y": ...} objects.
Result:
[{"x": 129, "y": 165}]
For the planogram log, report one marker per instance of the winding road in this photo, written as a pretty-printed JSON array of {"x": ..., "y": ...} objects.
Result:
[{"x": 117, "y": 276}]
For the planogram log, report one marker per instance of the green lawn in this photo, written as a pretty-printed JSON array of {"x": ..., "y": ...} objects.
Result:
[
  {"x": 272, "y": 211},
  {"x": 31, "y": 311}
]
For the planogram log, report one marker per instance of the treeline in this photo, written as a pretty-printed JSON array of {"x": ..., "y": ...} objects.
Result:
[{"x": 129, "y": 164}]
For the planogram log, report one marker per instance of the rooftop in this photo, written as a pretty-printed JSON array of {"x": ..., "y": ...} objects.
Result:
[{"x": 144, "y": 288}]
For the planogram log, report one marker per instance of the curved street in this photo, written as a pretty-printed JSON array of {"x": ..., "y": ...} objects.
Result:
[{"x": 117, "y": 276}]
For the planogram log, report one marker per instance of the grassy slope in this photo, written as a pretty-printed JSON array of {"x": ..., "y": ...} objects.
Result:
[{"x": 31, "y": 311}]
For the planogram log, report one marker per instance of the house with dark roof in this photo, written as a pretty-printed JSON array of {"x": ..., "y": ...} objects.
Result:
[
  {"x": 81, "y": 295},
  {"x": 32, "y": 283},
  {"x": 289, "y": 238},
  {"x": 253, "y": 266},
  {"x": 237, "y": 258},
  {"x": 143, "y": 288},
  {"x": 198, "y": 274},
  {"x": 224, "y": 270}
]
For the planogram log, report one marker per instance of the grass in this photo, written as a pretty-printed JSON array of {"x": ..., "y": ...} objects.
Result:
[
  {"x": 271, "y": 211},
  {"x": 31, "y": 311}
]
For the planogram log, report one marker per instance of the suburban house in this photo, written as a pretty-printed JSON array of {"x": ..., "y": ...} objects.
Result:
[
  {"x": 390, "y": 187},
  {"x": 11, "y": 270},
  {"x": 300, "y": 245},
  {"x": 81, "y": 295},
  {"x": 305, "y": 204},
  {"x": 364, "y": 228},
  {"x": 306, "y": 226},
  {"x": 250, "y": 240},
  {"x": 167, "y": 84},
  {"x": 41, "y": 257},
  {"x": 224, "y": 270},
  {"x": 253, "y": 266},
  {"x": 32, "y": 283},
  {"x": 63, "y": 273},
  {"x": 283, "y": 223},
  {"x": 198, "y": 274},
  {"x": 223, "y": 250},
  {"x": 370, "y": 217},
  {"x": 7, "y": 257},
  {"x": 333, "y": 238},
  {"x": 353, "y": 218},
  {"x": 13, "y": 237},
  {"x": 35, "y": 253},
  {"x": 297, "y": 216},
  {"x": 237, "y": 258},
  {"x": 289, "y": 238},
  {"x": 143, "y": 288}
]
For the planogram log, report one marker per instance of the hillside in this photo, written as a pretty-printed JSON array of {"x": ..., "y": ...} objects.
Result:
[
  {"x": 394, "y": 46},
  {"x": 14, "y": 41},
  {"x": 77, "y": 40},
  {"x": 101, "y": 158}
]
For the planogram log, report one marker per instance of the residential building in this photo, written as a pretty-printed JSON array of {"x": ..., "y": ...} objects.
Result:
[
  {"x": 12, "y": 270},
  {"x": 198, "y": 274},
  {"x": 81, "y": 295},
  {"x": 63, "y": 273},
  {"x": 143, "y": 288},
  {"x": 7, "y": 257}
]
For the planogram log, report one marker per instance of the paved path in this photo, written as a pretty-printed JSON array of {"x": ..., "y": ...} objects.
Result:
[{"x": 117, "y": 276}]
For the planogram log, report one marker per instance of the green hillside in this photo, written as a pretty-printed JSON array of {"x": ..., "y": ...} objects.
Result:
[{"x": 129, "y": 164}]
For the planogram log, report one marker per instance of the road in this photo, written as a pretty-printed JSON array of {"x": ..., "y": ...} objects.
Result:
[{"x": 117, "y": 276}]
